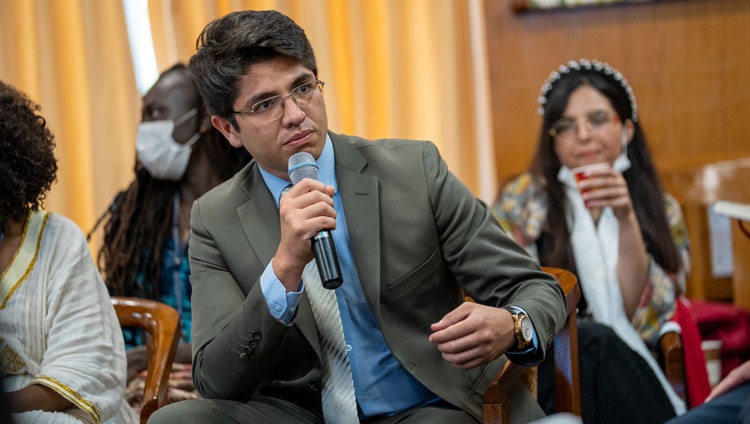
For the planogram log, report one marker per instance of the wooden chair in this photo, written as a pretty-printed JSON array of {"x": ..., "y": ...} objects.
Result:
[
  {"x": 162, "y": 322},
  {"x": 672, "y": 361},
  {"x": 567, "y": 386},
  {"x": 697, "y": 188}
]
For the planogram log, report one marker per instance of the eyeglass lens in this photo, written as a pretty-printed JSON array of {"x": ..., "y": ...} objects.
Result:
[
  {"x": 272, "y": 108},
  {"x": 567, "y": 127}
]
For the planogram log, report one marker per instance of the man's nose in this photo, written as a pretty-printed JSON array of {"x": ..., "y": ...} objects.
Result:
[{"x": 291, "y": 110}]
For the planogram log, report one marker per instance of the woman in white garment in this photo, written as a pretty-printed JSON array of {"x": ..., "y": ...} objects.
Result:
[
  {"x": 63, "y": 357},
  {"x": 624, "y": 238}
]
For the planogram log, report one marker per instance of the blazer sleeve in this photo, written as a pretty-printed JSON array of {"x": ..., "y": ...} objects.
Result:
[
  {"x": 491, "y": 267},
  {"x": 235, "y": 338}
]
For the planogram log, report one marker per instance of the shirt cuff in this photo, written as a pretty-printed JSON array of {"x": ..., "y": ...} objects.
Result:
[{"x": 281, "y": 304}]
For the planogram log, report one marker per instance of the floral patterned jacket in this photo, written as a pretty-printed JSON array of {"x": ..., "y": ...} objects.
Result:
[{"x": 522, "y": 209}]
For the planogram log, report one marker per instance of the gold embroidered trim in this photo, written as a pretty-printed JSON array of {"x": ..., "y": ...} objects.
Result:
[
  {"x": 69, "y": 394},
  {"x": 15, "y": 255},
  {"x": 10, "y": 361},
  {"x": 10, "y": 280}
]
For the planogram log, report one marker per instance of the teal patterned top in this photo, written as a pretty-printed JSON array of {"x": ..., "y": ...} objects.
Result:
[{"x": 174, "y": 283}]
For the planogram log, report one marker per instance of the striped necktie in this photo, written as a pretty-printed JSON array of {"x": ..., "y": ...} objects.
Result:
[{"x": 339, "y": 401}]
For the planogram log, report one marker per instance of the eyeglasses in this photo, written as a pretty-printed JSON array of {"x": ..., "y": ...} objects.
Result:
[
  {"x": 595, "y": 122},
  {"x": 272, "y": 108}
]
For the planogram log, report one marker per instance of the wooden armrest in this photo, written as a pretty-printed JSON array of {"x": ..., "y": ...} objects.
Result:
[
  {"x": 495, "y": 406},
  {"x": 567, "y": 387},
  {"x": 163, "y": 323}
]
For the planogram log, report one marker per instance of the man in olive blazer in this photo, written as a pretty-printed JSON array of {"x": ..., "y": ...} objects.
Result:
[{"x": 416, "y": 236}]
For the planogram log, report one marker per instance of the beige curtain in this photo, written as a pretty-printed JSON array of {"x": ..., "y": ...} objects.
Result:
[
  {"x": 72, "y": 57},
  {"x": 393, "y": 68}
]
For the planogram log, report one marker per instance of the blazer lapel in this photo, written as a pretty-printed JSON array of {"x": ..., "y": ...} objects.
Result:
[
  {"x": 359, "y": 195},
  {"x": 259, "y": 219}
]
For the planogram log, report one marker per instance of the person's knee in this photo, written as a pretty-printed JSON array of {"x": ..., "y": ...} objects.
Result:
[{"x": 186, "y": 411}]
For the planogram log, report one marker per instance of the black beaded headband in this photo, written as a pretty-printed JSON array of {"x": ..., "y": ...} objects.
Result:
[{"x": 587, "y": 65}]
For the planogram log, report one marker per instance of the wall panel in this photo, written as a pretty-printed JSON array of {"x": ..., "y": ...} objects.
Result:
[{"x": 688, "y": 62}]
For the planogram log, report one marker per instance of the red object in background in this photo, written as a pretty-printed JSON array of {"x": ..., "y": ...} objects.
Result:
[
  {"x": 696, "y": 375},
  {"x": 728, "y": 323}
]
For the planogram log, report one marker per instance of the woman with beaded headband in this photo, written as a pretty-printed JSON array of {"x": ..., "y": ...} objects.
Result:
[
  {"x": 63, "y": 357},
  {"x": 624, "y": 238}
]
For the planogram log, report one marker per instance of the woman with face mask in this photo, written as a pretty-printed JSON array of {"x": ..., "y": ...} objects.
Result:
[
  {"x": 162, "y": 156},
  {"x": 180, "y": 156}
]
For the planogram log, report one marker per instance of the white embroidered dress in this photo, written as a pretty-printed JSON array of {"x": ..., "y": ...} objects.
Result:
[{"x": 58, "y": 327}]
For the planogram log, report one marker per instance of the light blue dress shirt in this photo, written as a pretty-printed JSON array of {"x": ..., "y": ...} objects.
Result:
[{"x": 381, "y": 384}]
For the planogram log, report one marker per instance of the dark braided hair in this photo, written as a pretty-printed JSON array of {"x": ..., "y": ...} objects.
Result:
[
  {"x": 27, "y": 161},
  {"x": 139, "y": 221}
]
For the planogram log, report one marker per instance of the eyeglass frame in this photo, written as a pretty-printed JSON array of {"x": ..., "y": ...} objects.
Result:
[
  {"x": 282, "y": 102},
  {"x": 588, "y": 125}
]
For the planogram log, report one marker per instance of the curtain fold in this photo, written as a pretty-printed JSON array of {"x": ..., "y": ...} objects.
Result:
[
  {"x": 72, "y": 58},
  {"x": 392, "y": 68}
]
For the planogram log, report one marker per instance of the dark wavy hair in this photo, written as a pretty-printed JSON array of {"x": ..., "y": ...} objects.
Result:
[
  {"x": 227, "y": 46},
  {"x": 642, "y": 180},
  {"x": 27, "y": 161},
  {"x": 139, "y": 220}
]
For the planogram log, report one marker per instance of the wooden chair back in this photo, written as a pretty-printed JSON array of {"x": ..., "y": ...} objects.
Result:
[
  {"x": 697, "y": 188},
  {"x": 567, "y": 387},
  {"x": 672, "y": 361},
  {"x": 162, "y": 322}
]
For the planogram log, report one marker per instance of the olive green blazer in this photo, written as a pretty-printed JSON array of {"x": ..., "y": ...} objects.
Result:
[{"x": 419, "y": 238}]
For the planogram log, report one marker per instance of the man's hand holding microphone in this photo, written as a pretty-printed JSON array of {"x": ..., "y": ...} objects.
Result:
[{"x": 307, "y": 218}]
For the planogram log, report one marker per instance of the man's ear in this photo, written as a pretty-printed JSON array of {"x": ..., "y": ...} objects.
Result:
[{"x": 226, "y": 128}]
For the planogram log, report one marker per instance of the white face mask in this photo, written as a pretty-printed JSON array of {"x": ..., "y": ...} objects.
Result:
[{"x": 164, "y": 158}]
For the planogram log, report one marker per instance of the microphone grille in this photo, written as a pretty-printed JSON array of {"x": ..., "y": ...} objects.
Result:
[{"x": 302, "y": 165}]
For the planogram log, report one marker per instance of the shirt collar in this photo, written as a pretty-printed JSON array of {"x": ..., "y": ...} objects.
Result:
[{"x": 326, "y": 172}]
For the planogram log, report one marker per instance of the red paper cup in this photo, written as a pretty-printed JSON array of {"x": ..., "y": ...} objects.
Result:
[{"x": 580, "y": 173}]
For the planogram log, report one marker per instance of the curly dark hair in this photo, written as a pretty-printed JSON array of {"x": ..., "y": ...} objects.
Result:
[
  {"x": 139, "y": 220},
  {"x": 27, "y": 161}
]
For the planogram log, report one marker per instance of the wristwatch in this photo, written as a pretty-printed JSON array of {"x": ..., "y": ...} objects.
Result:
[{"x": 523, "y": 330}]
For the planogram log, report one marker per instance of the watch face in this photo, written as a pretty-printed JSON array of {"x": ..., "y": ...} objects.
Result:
[{"x": 527, "y": 330}]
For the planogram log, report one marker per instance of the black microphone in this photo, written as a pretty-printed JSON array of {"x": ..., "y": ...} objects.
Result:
[{"x": 302, "y": 165}]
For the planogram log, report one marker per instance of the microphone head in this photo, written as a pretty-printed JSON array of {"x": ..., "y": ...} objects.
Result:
[{"x": 302, "y": 165}]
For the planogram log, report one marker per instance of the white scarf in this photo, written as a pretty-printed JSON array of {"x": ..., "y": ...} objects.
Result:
[{"x": 596, "y": 250}]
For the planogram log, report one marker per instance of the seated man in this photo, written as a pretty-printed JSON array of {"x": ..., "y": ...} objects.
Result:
[
  {"x": 395, "y": 341},
  {"x": 729, "y": 401}
]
